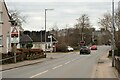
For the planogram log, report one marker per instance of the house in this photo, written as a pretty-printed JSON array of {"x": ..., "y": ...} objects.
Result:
[
  {"x": 24, "y": 40},
  {"x": 5, "y": 28},
  {"x": 38, "y": 38}
]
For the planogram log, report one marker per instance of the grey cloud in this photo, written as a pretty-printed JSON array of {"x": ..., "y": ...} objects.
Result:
[{"x": 64, "y": 13}]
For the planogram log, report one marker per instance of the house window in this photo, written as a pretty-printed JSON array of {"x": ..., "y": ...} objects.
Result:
[{"x": 1, "y": 41}]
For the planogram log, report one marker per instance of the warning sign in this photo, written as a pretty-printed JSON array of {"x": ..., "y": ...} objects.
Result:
[{"x": 14, "y": 32}]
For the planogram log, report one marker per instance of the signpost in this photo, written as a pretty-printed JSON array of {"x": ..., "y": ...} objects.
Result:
[
  {"x": 51, "y": 49},
  {"x": 14, "y": 39},
  {"x": 82, "y": 43}
]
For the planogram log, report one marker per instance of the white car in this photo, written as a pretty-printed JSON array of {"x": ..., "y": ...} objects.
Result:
[{"x": 69, "y": 48}]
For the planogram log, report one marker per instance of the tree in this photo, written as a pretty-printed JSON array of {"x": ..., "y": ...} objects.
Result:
[
  {"x": 106, "y": 21},
  {"x": 83, "y": 22},
  {"x": 54, "y": 30},
  {"x": 117, "y": 19},
  {"x": 17, "y": 17},
  {"x": 117, "y": 34}
]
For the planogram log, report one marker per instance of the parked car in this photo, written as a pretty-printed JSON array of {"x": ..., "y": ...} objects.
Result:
[
  {"x": 69, "y": 48},
  {"x": 85, "y": 50},
  {"x": 93, "y": 47}
]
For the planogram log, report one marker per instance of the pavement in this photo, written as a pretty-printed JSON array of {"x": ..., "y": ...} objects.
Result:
[{"x": 104, "y": 68}]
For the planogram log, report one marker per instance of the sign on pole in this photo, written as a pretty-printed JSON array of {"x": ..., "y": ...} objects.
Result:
[{"x": 14, "y": 34}]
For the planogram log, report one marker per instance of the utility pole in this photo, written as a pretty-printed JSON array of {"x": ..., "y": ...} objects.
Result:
[
  {"x": 82, "y": 35},
  {"x": 14, "y": 47},
  {"x": 45, "y": 30},
  {"x": 113, "y": 36}
]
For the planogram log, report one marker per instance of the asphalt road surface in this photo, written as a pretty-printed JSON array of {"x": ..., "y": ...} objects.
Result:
[{"x": 72, "y": 65}]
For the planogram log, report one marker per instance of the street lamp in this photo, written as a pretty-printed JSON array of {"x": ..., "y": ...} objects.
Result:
[
  {"x": 113, "y": 36},
  {"x": 45, "y": 27}
]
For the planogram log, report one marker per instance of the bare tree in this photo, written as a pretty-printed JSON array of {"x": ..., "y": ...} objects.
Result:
[
  {"x": 117, "y": 19},
  {"x": 83, "y": 22},
  {"x": 17, "y": 17},
  {"x": 106, "y": 21},
  {"x": 54, "y": 30}
]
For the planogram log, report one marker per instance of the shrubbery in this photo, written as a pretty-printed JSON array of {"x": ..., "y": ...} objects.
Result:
[
  {"x": 24, "y": 54},
  {"x": 116, "y": 53},
  {"x": 29, "y": 45},
  {"x": 61, "y": 48}
]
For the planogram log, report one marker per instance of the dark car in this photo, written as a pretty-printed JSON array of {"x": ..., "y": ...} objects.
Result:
[{"x": 84, "y": 50}]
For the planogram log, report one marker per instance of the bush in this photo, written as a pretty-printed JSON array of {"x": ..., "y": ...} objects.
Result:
[
  {"x": 29, "y": 45},
  {"x": 76, "y": 48},
  {"x": 61, "y": 48}
]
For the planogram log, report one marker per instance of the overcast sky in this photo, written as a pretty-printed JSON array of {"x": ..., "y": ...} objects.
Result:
[{"x": 65, "y": 12}]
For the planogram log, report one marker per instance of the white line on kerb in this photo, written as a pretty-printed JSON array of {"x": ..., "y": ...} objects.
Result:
[
  {"x": 57, "y": 66},
  {"x": 39, "y": 74},
  {"x": 67, "y": 62}
]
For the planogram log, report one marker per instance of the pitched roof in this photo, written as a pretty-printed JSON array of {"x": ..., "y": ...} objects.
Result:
[
  {"x": 25, "y": 38},
  {"x": 6, "y": 9},
  {"x": 39, "y": 36}
]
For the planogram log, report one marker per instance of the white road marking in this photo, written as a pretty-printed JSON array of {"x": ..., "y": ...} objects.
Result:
[
  {"x": 73, "y": 59},
  {"x": 57, "y": 66},
  {"x": 39, "y": 74},
  {"x": 67, "y": 62}
]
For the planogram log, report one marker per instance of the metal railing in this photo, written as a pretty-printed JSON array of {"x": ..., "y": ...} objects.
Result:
[{"x": 9, "y": 58}]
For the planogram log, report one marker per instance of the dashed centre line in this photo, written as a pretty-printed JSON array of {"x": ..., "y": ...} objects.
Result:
[
  {"x": 52, "y": 68},
  {"x": 67, "y": 62},
  {"x": 73, "y": 59},
  {"x": 57, "y": 66},
  {"x": 39, "y": 74}
]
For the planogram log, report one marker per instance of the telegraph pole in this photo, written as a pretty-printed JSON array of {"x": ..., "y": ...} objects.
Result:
[{"x": 113, "y": 36}]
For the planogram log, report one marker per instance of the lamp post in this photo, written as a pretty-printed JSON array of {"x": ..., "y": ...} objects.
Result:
[
  {"x": 113, "y": 36},
  {"x": 45, "y": 27}
]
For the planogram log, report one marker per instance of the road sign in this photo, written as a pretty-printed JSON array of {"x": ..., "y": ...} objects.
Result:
[
  {"x": 82, "y": 43},
  {"x": 14, "y": 32}
]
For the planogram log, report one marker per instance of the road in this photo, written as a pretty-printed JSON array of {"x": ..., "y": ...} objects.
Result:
[{"x": 71, "y": 65}]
